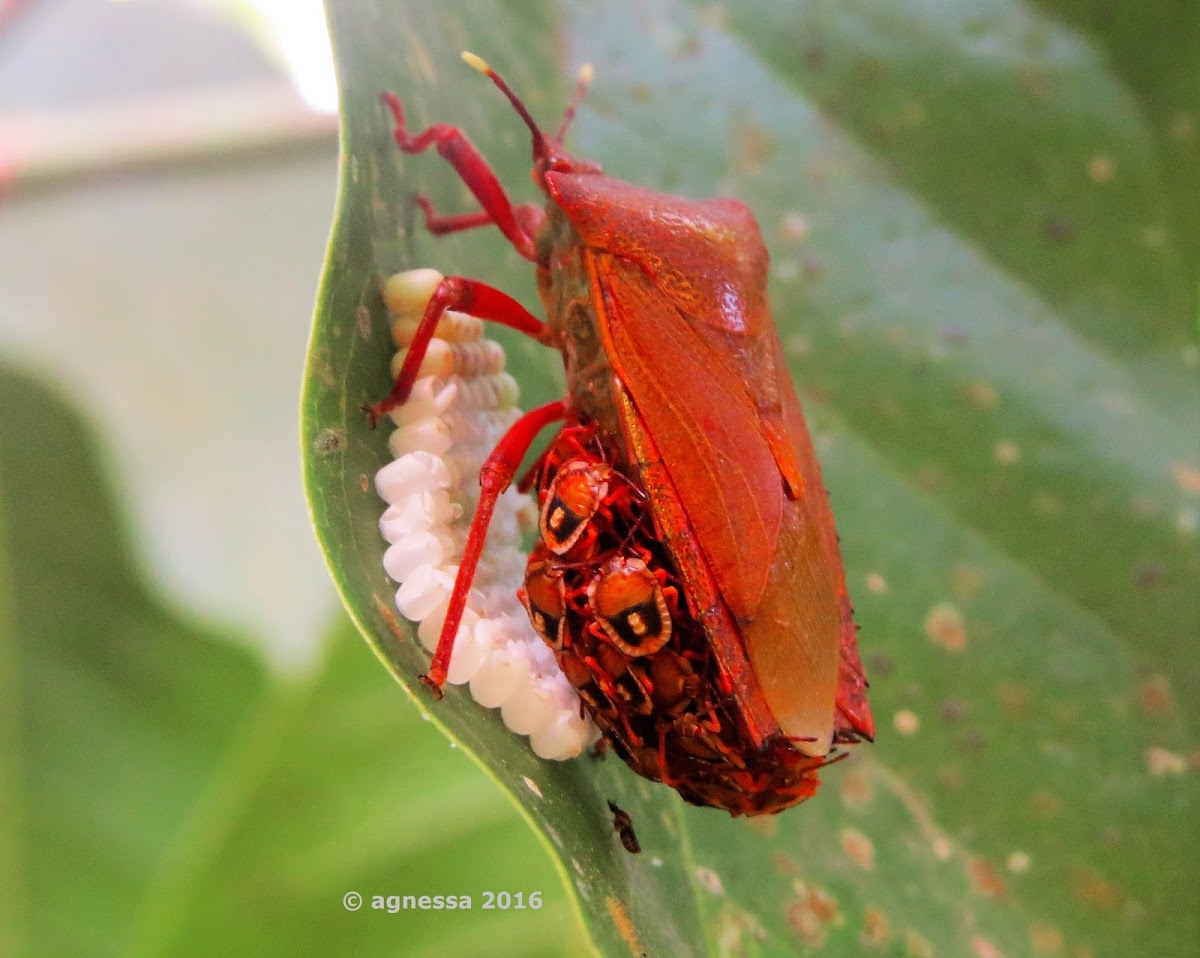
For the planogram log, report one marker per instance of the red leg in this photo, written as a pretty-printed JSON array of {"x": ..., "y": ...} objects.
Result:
[
  {"x": 529, "y": 217},
  {"x": 469, "y": 163},
  {"x": 495, "y": 476},
  {"x": 468, "y": 296}
]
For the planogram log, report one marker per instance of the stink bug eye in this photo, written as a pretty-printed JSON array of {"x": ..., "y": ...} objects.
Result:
[{"x": 687, "y": 575}]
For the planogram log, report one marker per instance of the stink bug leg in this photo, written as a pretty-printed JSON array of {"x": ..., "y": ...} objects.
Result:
[
  {"x": 495, "y": 476},
  {"x": 528, "y": 215},
  {"x": 468, "y": 162},
  {"x": 467, "y": 296}
]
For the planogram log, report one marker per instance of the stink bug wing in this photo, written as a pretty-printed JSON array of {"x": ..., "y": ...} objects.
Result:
[
  {"x": 680, "y": 287},
  {"x": 705, "y": 427},
  {"x": 721, "y": 463},
  {"x": 689, "y": 333},
  {"x": 854, "y": 713}
]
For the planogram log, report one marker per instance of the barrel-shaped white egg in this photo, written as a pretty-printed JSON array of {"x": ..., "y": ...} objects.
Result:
[
  {"x": 423, "y": 591},
  {"x": 460, "y": 406},
  {"x": 564, "y": 737}
]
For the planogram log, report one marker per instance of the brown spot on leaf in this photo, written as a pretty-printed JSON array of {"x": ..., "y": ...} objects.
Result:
[
  {"x": 329, "y": 441},
  {"x": 785, "y": 864},
  {"x": 858, "y": 848},
  {"x": 812, "y": 912},
  {"x": 1187, "y": 477},
  {"x": 1045, "y": 804},
  {"x": 982, "y": 394},
  {"x": 982, "y": 948},
  {"x": 949, "y": 777},
  {"x": 953, "y": 710},
  {"x": 856, "y": 789},
  {"x": 1160, "y": 761},
  {"x": 917, "y": 945},
  {"x": 1013, "y": 697},
  {"x": 880, "y": 665},
  {"x": 1154, "y": 696},
  {"x": 765, "y": 825},
  {"x": 1006, "y": 452},
  {"x": 944, "y": 626},
  {"x": 877, "y": 930},
  {"x": 754, "y": 147},
  {"x": 1101, "y": 168},
  {"x": 1046, "y": 940},
  {"x": 985, "y": 878},
  {"x": 1147, "y": 574},
  {"x": 624, "y": 925},
  {"x": 1018, "y": 862},
  {"x": 906, "y": 722},
  {"x": 389, "y": 618},
  {"x": 1057, "y": 228},
  {"x": 1095, "y": 890}
]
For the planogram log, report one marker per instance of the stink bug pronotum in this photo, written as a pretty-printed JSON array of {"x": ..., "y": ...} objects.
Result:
[{"x": 687, "y": 573}]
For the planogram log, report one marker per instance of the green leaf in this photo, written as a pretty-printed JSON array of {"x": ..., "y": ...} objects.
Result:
[
  {"x": 160, "y": 794},
  {"x": 986, "y": 283}
]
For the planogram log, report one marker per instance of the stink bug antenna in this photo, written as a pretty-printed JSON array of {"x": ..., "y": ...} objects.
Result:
[
  {"x": 539, "y": 138},
  {"x": 581, "y": 87}
]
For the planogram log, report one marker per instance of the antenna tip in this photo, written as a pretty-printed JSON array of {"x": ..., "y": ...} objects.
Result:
[
  {"x": 586, "y": 73},
  {"x": 476, "y": 63}
]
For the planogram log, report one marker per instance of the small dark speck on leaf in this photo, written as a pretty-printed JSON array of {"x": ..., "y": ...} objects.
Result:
[
  {"x": 1148, "y": 574},
  {"x": 1057, "y": 228},
  {"x": 953, "y": 710},
  {"x": 973, "y": 740},
  {"x": 329, "y": 442}
]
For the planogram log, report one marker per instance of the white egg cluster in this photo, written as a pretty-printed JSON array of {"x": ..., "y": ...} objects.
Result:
[{"x": 460, "y": 406}]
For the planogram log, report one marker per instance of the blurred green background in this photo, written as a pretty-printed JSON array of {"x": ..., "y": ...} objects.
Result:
[{"x": 985, "y": 224}]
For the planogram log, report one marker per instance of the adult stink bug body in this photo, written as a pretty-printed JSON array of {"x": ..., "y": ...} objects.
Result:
[{"x": 688, "y": 572}]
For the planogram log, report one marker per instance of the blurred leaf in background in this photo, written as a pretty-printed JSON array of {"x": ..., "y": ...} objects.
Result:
[{"x": 162, "y": 792}]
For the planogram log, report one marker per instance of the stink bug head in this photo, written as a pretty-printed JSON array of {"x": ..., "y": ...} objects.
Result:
[{"x": 548, "y": 153}]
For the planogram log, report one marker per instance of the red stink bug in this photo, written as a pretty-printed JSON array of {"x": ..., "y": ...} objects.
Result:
[{"x": 687, "y": 573}]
